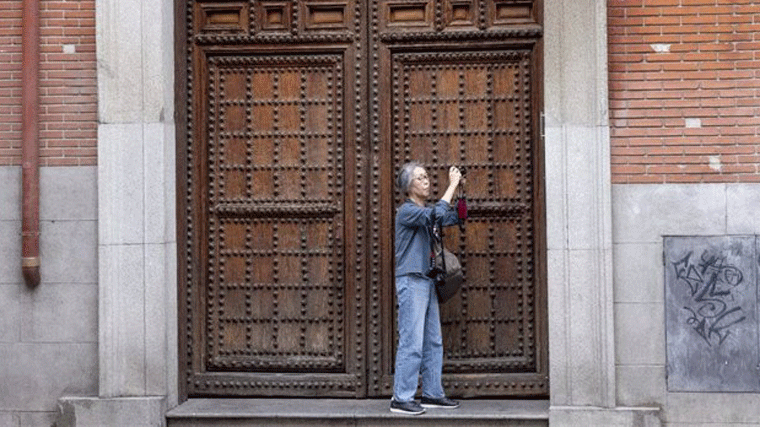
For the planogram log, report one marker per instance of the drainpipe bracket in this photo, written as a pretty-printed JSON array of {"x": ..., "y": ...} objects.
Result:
[{"x": 30, "y": 262}]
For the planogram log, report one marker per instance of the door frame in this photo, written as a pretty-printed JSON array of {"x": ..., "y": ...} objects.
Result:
[
  {"x": 579, "y": 232},
  {"x": 371, "y": 271}
]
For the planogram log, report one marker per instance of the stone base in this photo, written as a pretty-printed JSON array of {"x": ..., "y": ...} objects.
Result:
[
  {"x": 353, "y": 413},
  {"x": 575, "y": 416},
  {"x": 99, "y": 412}
]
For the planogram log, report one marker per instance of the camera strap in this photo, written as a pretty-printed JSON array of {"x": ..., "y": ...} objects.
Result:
[
  {"x": 436, "y": 236},
  {"x": 462, "y": 207}
]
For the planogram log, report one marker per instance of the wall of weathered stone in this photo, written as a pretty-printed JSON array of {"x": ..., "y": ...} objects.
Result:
[
  {"x": 48, "y": 334},
  {"x": 642, "y": 216}
]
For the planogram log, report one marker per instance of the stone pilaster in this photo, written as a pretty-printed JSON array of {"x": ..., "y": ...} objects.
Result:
[
  {"x": 136, "y": 217},
  {"x": 136, "y": 190},
  {"x": 579, "y": 226}
]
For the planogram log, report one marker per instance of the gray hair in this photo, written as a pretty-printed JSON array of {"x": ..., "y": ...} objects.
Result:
[{"x": 404, "y": 179}]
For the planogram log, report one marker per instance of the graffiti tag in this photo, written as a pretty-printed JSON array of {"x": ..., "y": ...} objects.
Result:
[{"x": 711, "y": 281}]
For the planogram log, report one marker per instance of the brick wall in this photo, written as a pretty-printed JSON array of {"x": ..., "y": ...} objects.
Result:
[
  {"x": 684, "y": 80},
  {"x": 68, "y": 103},
  {"x": 684, "y": 85}
]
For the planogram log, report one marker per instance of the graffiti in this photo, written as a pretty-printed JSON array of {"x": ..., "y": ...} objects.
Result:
[{"x": 711, "y": 282}]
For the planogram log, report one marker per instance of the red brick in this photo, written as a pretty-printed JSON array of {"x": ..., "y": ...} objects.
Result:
[
  {"x": 699, "y": 38},
  {"x": 753, "y": 65},
  {"x": 643, "y": 11},
  {"x": 61, "y": 161},
  {"x": 653, "y": 3},
  {"x": 699, "y": 19},
  {"x": 733, "y": 37},
  {"x": 661, "y": 38},
  {"x": 661, "y": 20},
  {"x": 717, "y": 79},
  {"x": 68, "y": 83},
  {"x": 628, "y": 169}
]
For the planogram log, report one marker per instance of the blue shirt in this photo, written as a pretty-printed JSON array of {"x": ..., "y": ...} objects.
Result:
[{"x": 413, "y": 228}]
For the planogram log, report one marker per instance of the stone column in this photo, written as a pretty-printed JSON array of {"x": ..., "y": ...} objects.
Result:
[
  {"x": 136, "y": 217},
  {"x": 136, "y": 188},
  {"x": 579, "y": 226}
]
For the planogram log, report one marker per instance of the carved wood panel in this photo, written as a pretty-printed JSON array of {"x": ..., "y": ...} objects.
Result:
[
  {"x": 474, "y": 110},
  {"x": 458, "y": 84},
  {"x": 274, "y": 289},
  {"x": 272, "y": 293}
]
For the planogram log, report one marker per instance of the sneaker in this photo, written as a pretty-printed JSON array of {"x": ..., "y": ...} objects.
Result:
[
  {"x": 441, "y": 402},
  {"x": 409, "y": 408}
]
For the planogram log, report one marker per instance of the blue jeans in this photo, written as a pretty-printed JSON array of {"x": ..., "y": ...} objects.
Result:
[{"x": 420, "y": 346}]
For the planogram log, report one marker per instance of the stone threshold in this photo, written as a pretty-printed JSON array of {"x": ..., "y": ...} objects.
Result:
[{"x": 356, "y": 409}]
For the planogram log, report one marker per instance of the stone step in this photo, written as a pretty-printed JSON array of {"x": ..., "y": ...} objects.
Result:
[{"x": 353, "y": 413}]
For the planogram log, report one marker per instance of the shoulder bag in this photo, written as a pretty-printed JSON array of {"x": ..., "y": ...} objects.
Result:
[{"x": 446, "y": 271}]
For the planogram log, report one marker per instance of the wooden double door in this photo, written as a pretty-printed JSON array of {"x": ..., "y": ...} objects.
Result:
[{"x": 294, "y": 117}]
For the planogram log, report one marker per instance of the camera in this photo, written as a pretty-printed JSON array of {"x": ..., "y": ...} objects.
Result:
[{"x": 436, "y": 273}]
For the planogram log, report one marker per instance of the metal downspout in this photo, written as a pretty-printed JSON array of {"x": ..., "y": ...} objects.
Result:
[{"x": 30, "y": 155}]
